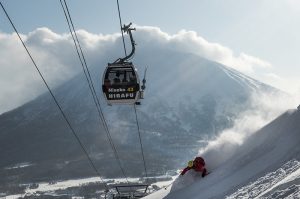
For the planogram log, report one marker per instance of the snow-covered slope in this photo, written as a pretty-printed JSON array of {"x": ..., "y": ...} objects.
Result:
[
  {"x": 266, "y": 165},
  {"x": 282, "y": 183}
]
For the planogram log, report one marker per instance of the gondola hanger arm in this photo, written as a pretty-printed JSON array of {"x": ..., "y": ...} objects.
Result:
[{"x": 127, "y": 29}]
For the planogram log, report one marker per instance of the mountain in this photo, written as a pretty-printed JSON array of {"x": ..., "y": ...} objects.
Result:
[
  {"x": 188, "y": 99},
  {"x": 266, "y": 165}
]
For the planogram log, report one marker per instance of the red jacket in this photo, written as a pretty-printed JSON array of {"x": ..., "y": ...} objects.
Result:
[{"x": 198, "y": 165}]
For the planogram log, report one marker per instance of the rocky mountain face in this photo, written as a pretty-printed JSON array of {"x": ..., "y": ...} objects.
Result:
[{"x": 187, "y": 100}]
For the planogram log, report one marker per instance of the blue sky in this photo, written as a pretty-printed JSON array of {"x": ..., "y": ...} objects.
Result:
[
  {"x": 246, "y": 25},
  {"x": 266, "y": 29}
]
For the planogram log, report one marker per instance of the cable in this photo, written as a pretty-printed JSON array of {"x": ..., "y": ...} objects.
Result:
[
  {"x": 55, "y": 100},
  {"x": 139, "y": 132},
  {"x": 121, "y": 27},
  {"x": 141, "y": 144},
  {"x": 90, "y": 82}
]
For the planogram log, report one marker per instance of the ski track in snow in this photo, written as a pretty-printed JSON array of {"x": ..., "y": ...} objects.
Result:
[
  {"x": 244, "y": 80},
  {"x": 265, "y": 187}
]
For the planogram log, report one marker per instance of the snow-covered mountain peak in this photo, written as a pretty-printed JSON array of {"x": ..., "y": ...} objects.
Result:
[{"x": 188, "y": 101}]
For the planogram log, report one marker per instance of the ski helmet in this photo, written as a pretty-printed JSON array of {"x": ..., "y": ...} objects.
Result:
[{"x": 190, "y": 163}]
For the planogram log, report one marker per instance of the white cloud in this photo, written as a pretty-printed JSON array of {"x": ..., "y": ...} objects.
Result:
[
  {"x": 190, "y": 42},
  {"x": 55, "y": 55},
  {"x": 294, "y": 5},
  {"x": 273, "y": 76},
  {"x": 262, "y": 110},
  {"x": 287, "y": 84},
  {"x": 250, "y": 61}
]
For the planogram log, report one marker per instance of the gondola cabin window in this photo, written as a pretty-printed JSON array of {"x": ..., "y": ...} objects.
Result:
[{"x": 121, "y": 84}]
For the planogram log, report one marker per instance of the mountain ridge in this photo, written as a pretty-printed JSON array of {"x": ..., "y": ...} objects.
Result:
[{"x": 182, "y": 94}]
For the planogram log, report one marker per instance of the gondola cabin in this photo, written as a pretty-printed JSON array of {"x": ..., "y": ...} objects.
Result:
[{"x": 121, "y": 84}]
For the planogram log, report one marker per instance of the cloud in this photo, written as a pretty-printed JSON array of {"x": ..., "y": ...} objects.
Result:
[
  {"x": 293, "y": 5},
  {"x": 53, "y": 53},
  {"x": 191, "y": 42},
  {"x": 262, "y": 109},
  {"x": 288, "y": 84},
  {"x": 56, "y": 56},
  {"x": 14, "y": 78},
  {"x": 273, "y": 76}
]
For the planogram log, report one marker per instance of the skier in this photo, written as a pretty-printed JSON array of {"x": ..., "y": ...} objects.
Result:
[{"x": 198, "y": 165}]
